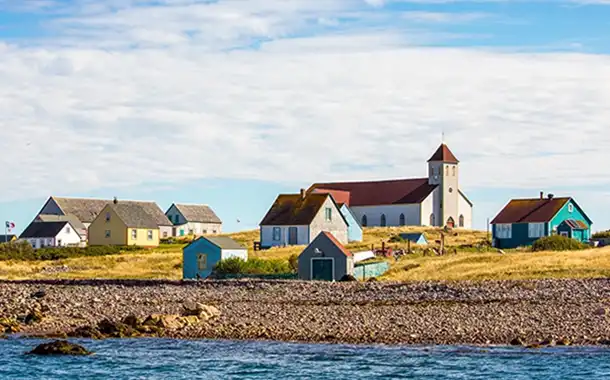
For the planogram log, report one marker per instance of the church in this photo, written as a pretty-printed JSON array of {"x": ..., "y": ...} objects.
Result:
[{"x": 434, "y": 201}]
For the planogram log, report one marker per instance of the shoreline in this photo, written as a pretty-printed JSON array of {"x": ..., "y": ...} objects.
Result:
[{"x": 532, "y": 313}]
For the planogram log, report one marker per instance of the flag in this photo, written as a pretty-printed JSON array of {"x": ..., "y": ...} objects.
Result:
[{"x": 10, "y": 225}]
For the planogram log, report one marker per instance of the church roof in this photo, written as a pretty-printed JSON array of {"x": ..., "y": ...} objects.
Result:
[
  {"x": 443, "y": 154},
  {"x": 373, "y": 193}
]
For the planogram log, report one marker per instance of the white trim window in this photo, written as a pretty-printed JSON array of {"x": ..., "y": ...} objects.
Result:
[
  {"x": 535, "y": 230},
  {"x": 504, "y": 231},
  {"x": 570, "y": 208},
  {"x": 149, "y": 234},
  {"x": 277, "y": 234},
  {"x": 134, "y": 234},
  {"x": 328, "y": 214}
]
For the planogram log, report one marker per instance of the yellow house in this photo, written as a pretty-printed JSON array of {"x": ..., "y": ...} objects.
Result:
[{"x": 124, "y": 224}]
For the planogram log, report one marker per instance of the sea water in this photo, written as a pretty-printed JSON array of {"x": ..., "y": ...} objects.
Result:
[{"x": 174, "y": 359}]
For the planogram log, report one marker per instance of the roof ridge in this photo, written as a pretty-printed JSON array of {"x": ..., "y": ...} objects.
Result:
[{"x": 320, "y": 184}]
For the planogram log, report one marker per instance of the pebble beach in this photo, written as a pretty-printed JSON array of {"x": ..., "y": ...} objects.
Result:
[{"x": 535, "y": 312}]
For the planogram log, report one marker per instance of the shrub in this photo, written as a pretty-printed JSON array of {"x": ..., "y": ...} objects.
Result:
[
  {"x": 293, "y": 260},
  {"x": 237, "y": 265},
  {"x": 22, "y": 250},
  {"x": 602, "y": 235},
  {"x": 557, "y": 243}
]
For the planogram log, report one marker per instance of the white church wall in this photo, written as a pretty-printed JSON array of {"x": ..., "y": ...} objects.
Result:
[
  {"x": 391, "y": 212},
  {"x": 465, "y": 209},
  {"x": 427, "y": 208}
]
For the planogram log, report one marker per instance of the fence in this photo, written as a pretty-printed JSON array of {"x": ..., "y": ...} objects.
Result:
[{"x": 366, "y": 271}]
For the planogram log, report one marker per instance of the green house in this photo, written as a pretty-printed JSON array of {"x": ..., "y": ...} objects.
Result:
[{"x": 523, "y": 221}]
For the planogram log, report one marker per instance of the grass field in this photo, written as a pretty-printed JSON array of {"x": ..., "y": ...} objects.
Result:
[{"x": 165, "y": 261}]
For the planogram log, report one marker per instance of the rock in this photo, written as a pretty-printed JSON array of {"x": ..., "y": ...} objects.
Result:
[
  {"x": 518, "y": 341},
  {"x": 534, "y": 346},
  {"x": 602, "y": 311},
  {"x": 202, "y": 311},
  {"x": 39, "y": 294},
  {"x": 34, "y": 316},
  {"x": 60, "y": 347},
  {"x": 86, "y": 332},
  {"x": 348, "y": 278},
  {"x": 116, "y": 329},
  {"x": 605, "y": 342},
  {"x": 9, "y": 326},
  {"x": 165, "y": 321},
  {"x": 548, "y": 342},
  {"x": 132, "y": 321},
  {"x": 563, "y": 341}
]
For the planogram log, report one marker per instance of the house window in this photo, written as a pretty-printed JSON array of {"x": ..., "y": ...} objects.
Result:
[
  {"x": 461, "y": 221},
  {"x": 107, "y": 233},
  {"x": 165, "y": 234},
  {"x": 107, "y": 217},
  {"x": 365, "y": 221},
  {"x": 570, "y": 208},
  {"x": 202, "y": 261},
  {"x": 134, "y": 234},
  {"x": 536, "y": 230},
  {"x": 401, "y": 220},
  {"x": 504, "y": 231},
  {"x": 206, "y": 231},
  {"x": 383, "y": 221},
  {"x": 328, "y": 214},
  {"x": 176, "y": 219},
  {"x": 432, "y": 221},
  {"x": 190, "y": 232},
  {"x": 68, "y": 229},
  {"x": 59, "y": 242},
  {"x": 564, "y": 233},
  {"x": 214, "y": 231},
  {"x": 149, "y": 235},
  {"x": 277, "y": 233}
]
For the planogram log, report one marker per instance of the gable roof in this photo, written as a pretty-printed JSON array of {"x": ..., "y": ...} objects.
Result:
[
  {"x": 133, "y": 215},
  {"x": 336, "y": 242},
  {"x": 340, "y": 196},
  {"x": 576, "y": 224},
  {"x": 293, "y": 209},
  {"x": 46, "y": 218},
  {"x": 349, "y": 210},
  {"x": 198, "y": 213},
  {"x": 223, "y": 242},
  {"x": 374, "y": 193},
  {"x": 443, "y": 154},
  {"x": 534, "y": 210},
  {"x": 86, "y": 209},
  {"x": 413, "y": 237},
  {"x": 43, "y": 230}
]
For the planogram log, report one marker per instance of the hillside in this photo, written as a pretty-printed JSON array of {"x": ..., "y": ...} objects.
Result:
[{"x": 165, "y": 262}]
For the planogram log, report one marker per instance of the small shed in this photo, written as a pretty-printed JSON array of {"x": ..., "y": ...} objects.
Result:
[
  {"x": 415, "y": 238},
  {"x": 325, "y": 259},
  {"x": 201, "y": 256},
  {"x": 574, "y": 229}
]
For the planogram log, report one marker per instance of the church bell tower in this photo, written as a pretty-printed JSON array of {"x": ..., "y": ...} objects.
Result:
[{"x": 443, "y": 171}]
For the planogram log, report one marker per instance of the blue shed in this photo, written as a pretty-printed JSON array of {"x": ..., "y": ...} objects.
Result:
[
  {"x": 415, "y": 238},
  {"x": 523, "y": 221},
  {"x": 354, "y": 229},
  {"x": 201, "y": 256}
]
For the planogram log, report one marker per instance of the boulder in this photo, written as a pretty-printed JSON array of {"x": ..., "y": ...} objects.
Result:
[
  {"x": 34, "y": 316},
  {"x": 203, "y": 312},
  {"x": 602, "y": 311},
  {"x": 164, "y": 321},
  {"x": 9, "y": 325},
  {"x": 115, "y": 329},
  {"x": 86, "y": 332},
  {"x": 39, "y": 294},
  {"x": 348, "y": 278},
  {"x": 518, "y": 341},
  {"x": 132, "y": 321},
  {"x": 564, "y": 341},
  {"x": 60, "y": 347}
]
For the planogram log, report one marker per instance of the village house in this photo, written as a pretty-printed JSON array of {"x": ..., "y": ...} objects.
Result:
[
  {"x": 296, "y": 219},
  {"x": 433, "y": 201},
  {"x": 123, "y": 224},
  {"x": 86, "y": 210},
  {"x": 523, "y": 221},
  {"x": 193, "y": 220},
  {"x": 354, "y": 229},
  {"x": 79, "y": 227},
  {"x": 201, "y": 256},
  {"x": 7, "y": 238},
  {"x": 325, "y": 259},
  {"x": 51, "y": 234}
]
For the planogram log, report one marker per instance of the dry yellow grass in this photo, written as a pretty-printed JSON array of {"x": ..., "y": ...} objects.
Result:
[{"x": 165, "y": 262}]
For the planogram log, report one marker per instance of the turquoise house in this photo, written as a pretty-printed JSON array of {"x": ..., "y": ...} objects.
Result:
[
  {"x": 354, "y": 229},
  {"x": 201, "y": 256},
  {"x": 523, "y": 221}
]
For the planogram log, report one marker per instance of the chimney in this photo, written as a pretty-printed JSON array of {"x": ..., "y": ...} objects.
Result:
[
  {"x": 542, "y": 195},
  {"x": 551, "y": 196},
  {"x": 115, "y": 200},
  {"x": 303, "y": 193}
]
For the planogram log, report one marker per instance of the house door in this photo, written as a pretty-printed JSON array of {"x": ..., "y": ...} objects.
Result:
[
  {"x": 322, "y": 269},
  {"x": 450, "y": 222},
  {"x": 292, "y": 236}
]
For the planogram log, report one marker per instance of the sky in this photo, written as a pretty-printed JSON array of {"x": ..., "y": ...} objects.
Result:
[{"x": 230, "y": 102}]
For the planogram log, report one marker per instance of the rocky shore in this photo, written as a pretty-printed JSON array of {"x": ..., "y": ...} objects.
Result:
[{"x": 543, "y": 312}]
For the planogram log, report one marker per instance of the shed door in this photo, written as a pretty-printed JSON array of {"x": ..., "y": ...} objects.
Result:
[
  {"x": 292, "y": 236},
  {"x": 322, "y": 269}
]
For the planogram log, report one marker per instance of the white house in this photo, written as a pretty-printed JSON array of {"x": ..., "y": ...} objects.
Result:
[
  {"x": 51, "y": 234},
  {"x": 297, "y": 219},
  {"x": 433, "y": 201},
  {"x": 193, "y": 220}
]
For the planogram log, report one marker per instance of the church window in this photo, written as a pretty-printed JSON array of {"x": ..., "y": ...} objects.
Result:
[
  {"x": 402, "y": 219},
  {"x": 432, "y": 221},
  {"x": 461, "y": 220},
  {"x": 447, "y": 171},
  {"x": 383, "y": 221},
  {"x": 364, "y": 221},
  {"x": 454, "y": 171}
]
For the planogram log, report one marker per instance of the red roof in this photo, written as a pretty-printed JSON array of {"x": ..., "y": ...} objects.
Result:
[
  {"x": 340, "y": 196},
  {"x": 534, "y": 210},
  {"x": 337, "y": 243},
  {"x": 374, "y": 193},
  {"x": 293, "y": 209},
  {"x": 576, "y": 224},
  {"x": 443, "y": 154}
]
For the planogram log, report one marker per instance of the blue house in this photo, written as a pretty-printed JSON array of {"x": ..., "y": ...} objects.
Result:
[
  {"x": 354, "y": 229},
  {"x": 201, "y": 256},
  {"x": 523, "y": 221},
  {"x": 415, "y": 238}
]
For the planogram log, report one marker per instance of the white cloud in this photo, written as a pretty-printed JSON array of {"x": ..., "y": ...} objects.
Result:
[
  {"x": 146, "y": 102},
  {"x": 443, "y": 17}
]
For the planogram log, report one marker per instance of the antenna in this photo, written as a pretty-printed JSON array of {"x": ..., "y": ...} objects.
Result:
[{"x": 443, "y": 136}]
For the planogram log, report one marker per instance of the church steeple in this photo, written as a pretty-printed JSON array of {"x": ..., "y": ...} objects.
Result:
[{"x": 443, "y": 154}]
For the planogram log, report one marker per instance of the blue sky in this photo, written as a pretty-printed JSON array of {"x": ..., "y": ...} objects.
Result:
[{"x": 230, "y": 102}]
